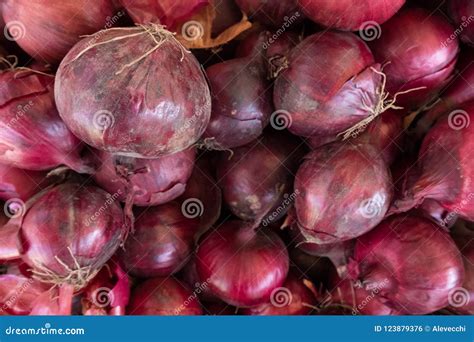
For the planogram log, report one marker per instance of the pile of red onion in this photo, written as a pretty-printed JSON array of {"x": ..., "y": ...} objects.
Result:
[{"x": 236, "y": 157}]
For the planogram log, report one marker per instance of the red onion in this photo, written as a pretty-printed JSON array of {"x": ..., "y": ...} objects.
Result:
[
  {"x": 257, "y": 181},
  {"x": 328, "y": 95},
  {"x": 241, "y": 105},
  {"x": 164, "y": 114},
  {"x": 274, "y": 13},
  {"x": 240, "y": 265},
  {"x": 190, "y": 275},
  {"x": 445, "y": 166},
  {"x": 69, "y": 232},
  {"x": 55, "y": 302},
  {"x": 47, "y": 31},
  {"x": 161, "y": 243},
  {"x": 163, "y": 297},
  {"x": 462, "y": 13},
  {"x": 18, "y": 294},
  {"x": 34, "y": 137},
  {"x": 20, "y": 184},
  {"x": 344, "y": 191},
  {"x": 419, "y": 55},
  {"x": 166, "y": 12},
  {"x": 145, "y": 181},
  {"x": 350, "y": 15},
  {"x": 412, "y": 263},
  {"x": 295, "y": 297}
]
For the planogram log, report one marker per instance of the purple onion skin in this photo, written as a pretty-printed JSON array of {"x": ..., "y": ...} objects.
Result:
[
  {"x": 153, "y": 181},
  {"x": 272, "y": 13},
  {"x": 345, "y": 191},
  {"x": 263, "y": 43},
  {"x": 419, "y": 55},
  {"x": 117, "y": 111},
  {"x": 241, "y": 266},
  {"x": 241, "y": 105},
  {"x": 227, "y": 14},
  {"x": 20, "y": 184},
  {"x": 163, "y": 297},
  {"x": 413, "y": 264},
  {"x": 325, "y": 96},
  {"x": 462, "y": 13},
  {"x": 162, "y": 242},
  {"x": 84, "y": 219},
  {"x": 258, "y": 179},
  {"x": 349, "y": 14}
]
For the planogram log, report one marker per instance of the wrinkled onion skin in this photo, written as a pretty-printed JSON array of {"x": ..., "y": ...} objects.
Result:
[
  {"x": 349, "y": 14},
  {"x": 18, "y": 183},
  {"x": 158, "y": 106},
  {"x": 257, "y": 177},
  {"x": 419, "y": 55},
  {"x": 273, "y": 13},
  {"x": 163, "y": 297},
  {"x": 462, "y": 12},
  {"x": 412, "y": 262},
  {"x": 52, "y": 28},
  {"x": 241, "y": 105},
  {"x": 34, "y": 136},
  {"x": 72, "y": 216},
  {"x": 295, "y": 298},
  {"x": 325, "y": 96},
  {"x": 345, "y": 191},
  {"x": 18, "y": 294},
  {"x": 242, "y": 267},
  {"x": 157, "y": 181},
  {"x": 162, "y": 242}
]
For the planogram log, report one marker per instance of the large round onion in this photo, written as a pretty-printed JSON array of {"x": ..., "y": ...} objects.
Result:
[
  {"x": 70, "y": 232},
  {"x": 163, "y": 297},
  {"x": 33, "y": 135},
  {"x": 143, "y": 94},
  {"x": 350, "y": 14},
  {"x": 147, "y": 181},
  {"x": 47, "y": 30},
  {"x": 327, "y": 95},
  {"x": 240, "y": 265},
  {"x": 344, "y": 191},
  {"x": 419, "y": 55},
  {"x": 413, "y": 264},
  {"x": 273, "y": 13},
  {"x": 162, "y": 242},
  {"x": 462, "y": 13}
]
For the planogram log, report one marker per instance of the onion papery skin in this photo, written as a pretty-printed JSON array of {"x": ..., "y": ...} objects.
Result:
[
  {"x": 241, "y": 266},
  {"x": 462, "y": 14},
  {"x": 418, "y": 55},
  {"x": 162, "y": 242},
  {"x": 163, "y": 297},
  {"x": 272, "y": 13},
  {"x": 148, "y": 181},
  {"x": 34, "y": 137},
  {"x": 20, "y": 184},
  {"x": 257, "y": 181},
  {"x": 293, "y": 298},
  {"x": 411, "y": 262},
  {"x": 48, "y": 31},
  {"x": 357, "y": 177},
  {"x": 325, "y": 96},
  {"x": 349, "y": 15},
  {"x": 132, "y": 111},
  {"x": 241, "y": 105},
  {"x": 18, "y": 294},
  {"x": 80, "y": 225},
  {"x": 445, "y": 166}
]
